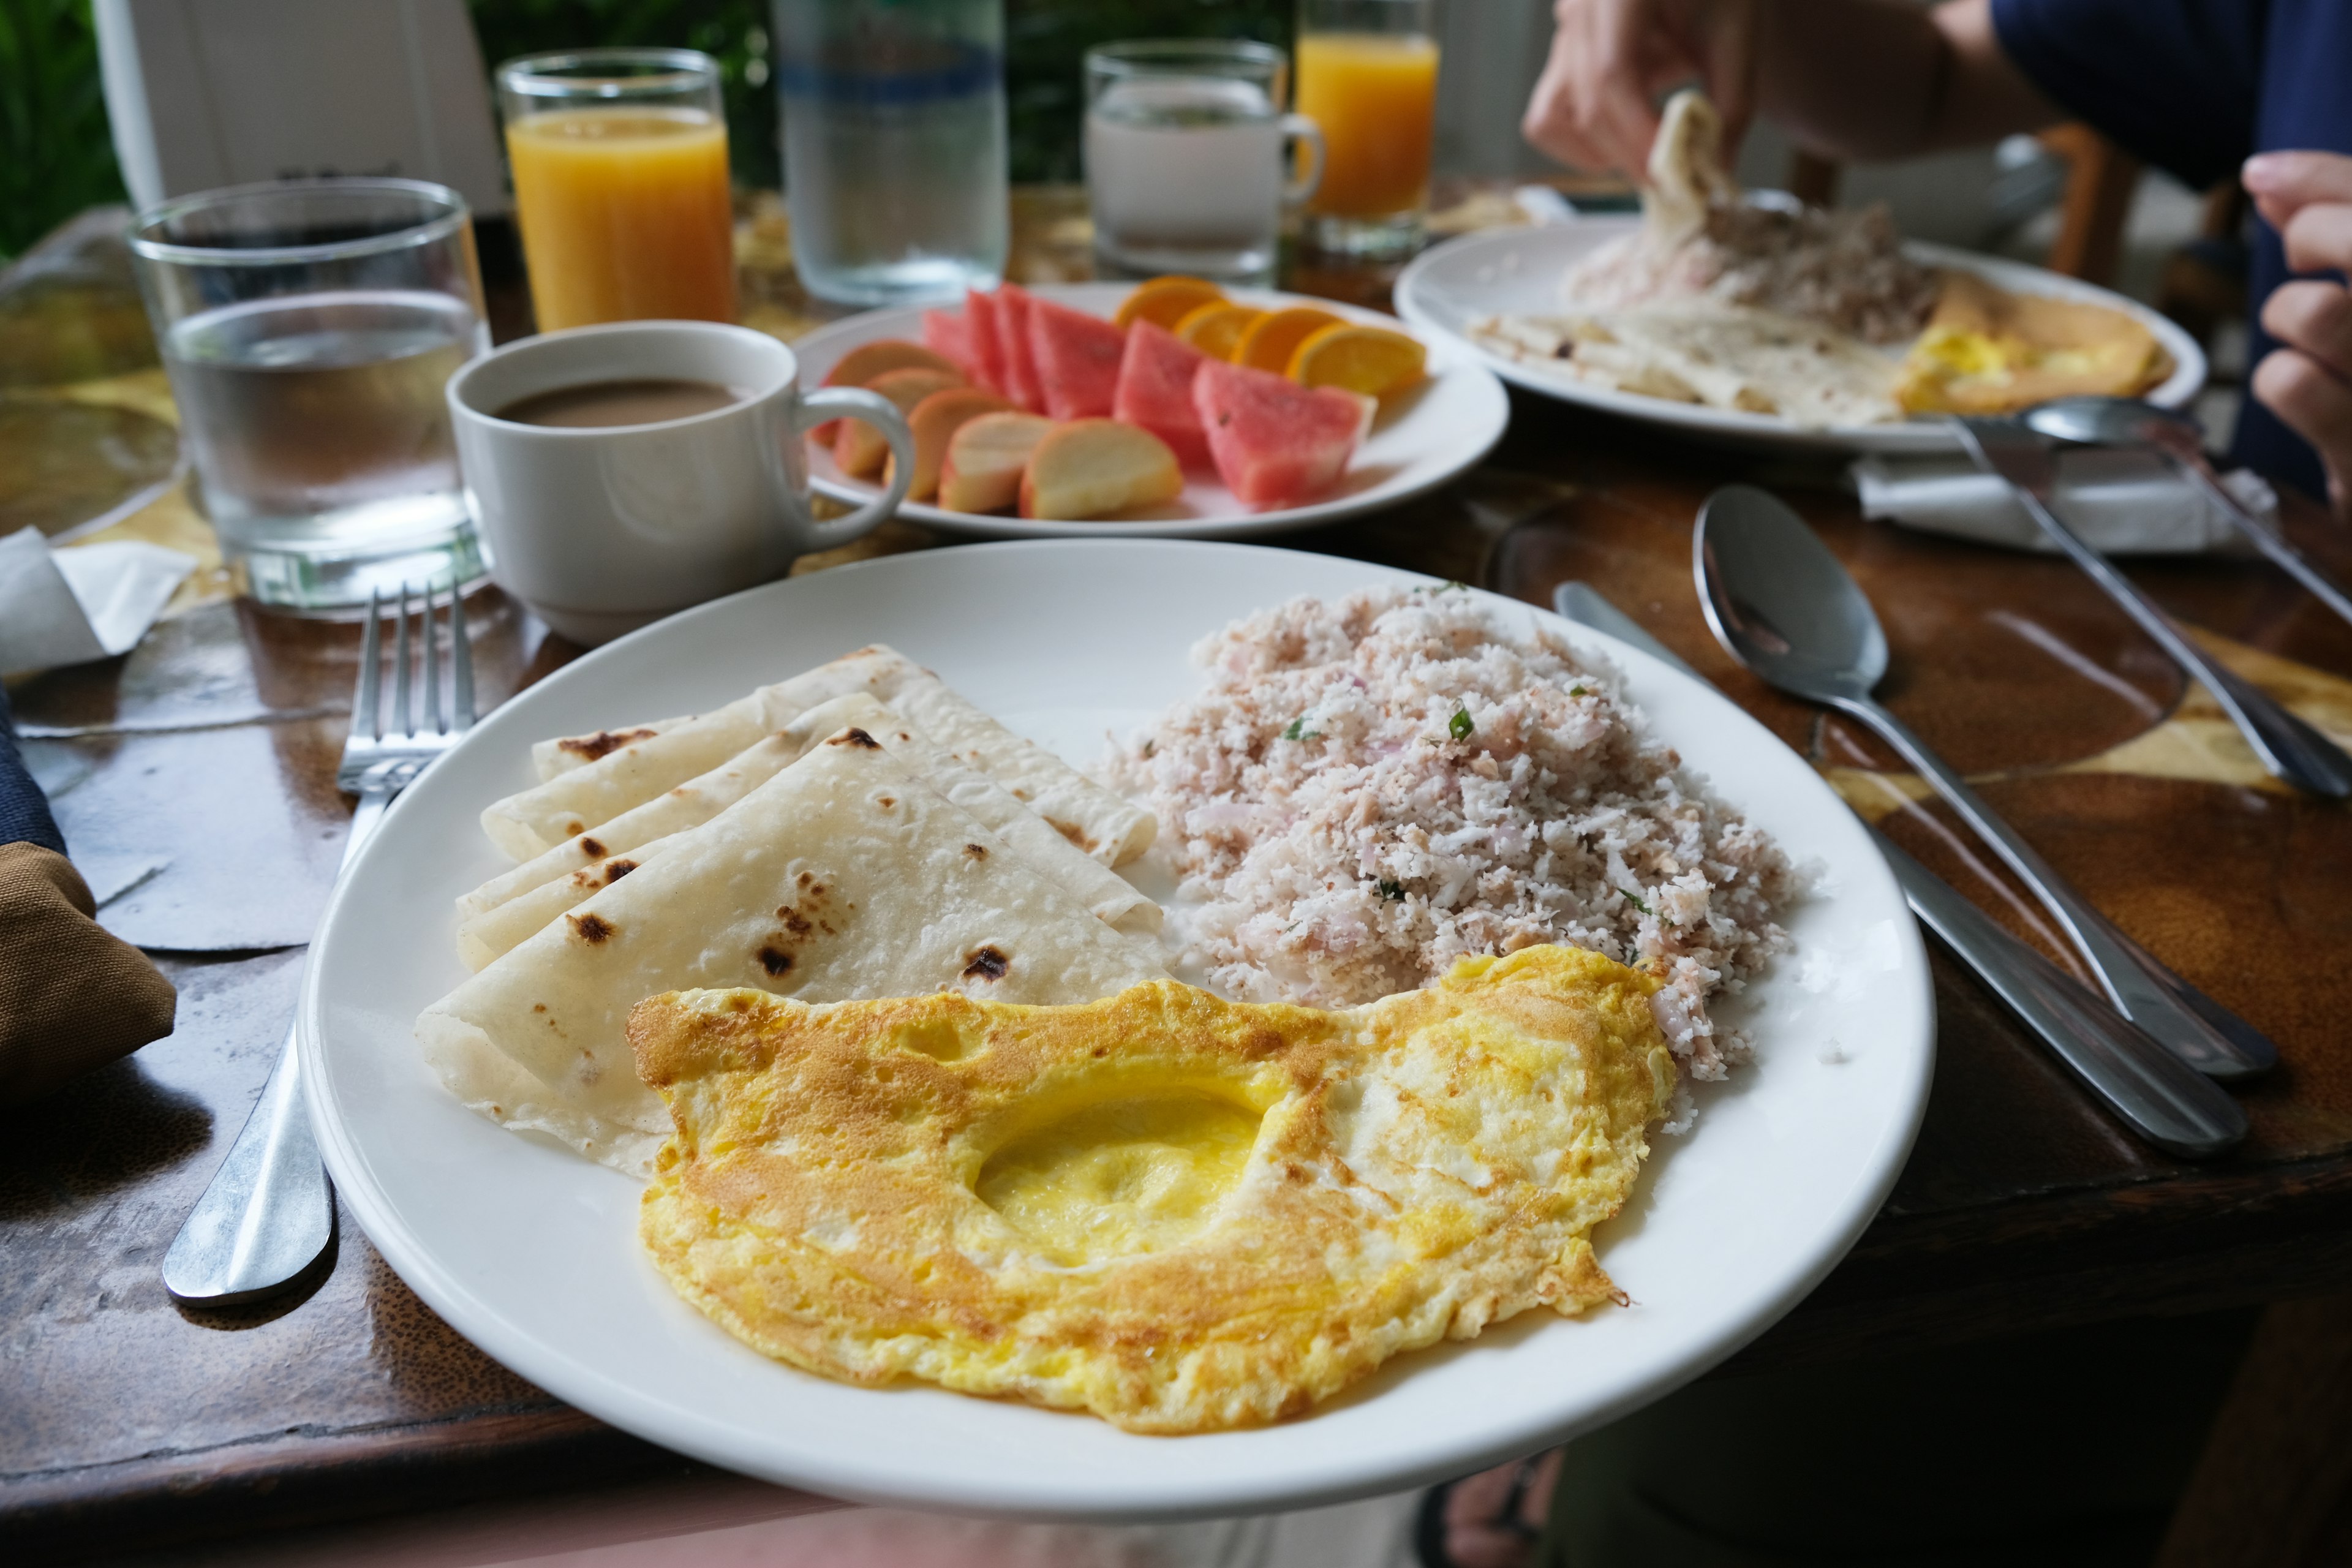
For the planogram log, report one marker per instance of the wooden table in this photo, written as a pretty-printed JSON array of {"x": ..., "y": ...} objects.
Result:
[{"x": 194, "y": 780}]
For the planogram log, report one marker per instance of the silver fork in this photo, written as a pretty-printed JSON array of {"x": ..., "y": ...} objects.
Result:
[{"x": 269, "y": 1212}]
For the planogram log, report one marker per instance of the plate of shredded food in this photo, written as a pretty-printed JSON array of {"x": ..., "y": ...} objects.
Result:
[
  {"x": 1173, "y": 408},
  {"x": 1750, "y": 317},
  {"x": 1115, "y": 1030}
]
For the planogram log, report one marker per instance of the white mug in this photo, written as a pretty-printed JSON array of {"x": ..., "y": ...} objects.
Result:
[{"x": 602, "y": 530}]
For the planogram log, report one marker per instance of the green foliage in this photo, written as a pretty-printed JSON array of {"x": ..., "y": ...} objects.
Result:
[{"x": 56, "y": 157}]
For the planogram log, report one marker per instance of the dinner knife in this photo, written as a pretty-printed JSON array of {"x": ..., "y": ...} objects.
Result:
[{"x": 2161, "y": 1098}]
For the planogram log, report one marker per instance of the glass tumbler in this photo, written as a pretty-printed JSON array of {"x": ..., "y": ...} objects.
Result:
[
  {"x": 894, "y": 145},
  {"x": 1185, "y": 163},
  {"x": 1368, "y": 76},
  {"x": 308, "y": 328},
  {"x": 619, "y": 159}
]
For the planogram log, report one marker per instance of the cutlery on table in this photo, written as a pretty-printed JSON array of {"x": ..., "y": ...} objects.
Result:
[
  {"x": 2176, "y": 436},
  {"x": 2291, "y": 749},
  {"x": 1784, "y": 607},
  {"x": 2154, "y": 1093},
  {"x": 269, "y": 1211}
]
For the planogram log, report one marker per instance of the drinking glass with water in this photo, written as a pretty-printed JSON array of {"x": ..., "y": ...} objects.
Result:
[
  {"x": 309, "y": 328},
  {"x": 1185, "y": 158},
  {"x": 894, "y": 145}
]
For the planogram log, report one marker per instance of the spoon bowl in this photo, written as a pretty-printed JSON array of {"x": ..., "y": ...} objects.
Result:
[
  {"x": 2112, "y": 422},
  {"x": 1780, "y": 602}
]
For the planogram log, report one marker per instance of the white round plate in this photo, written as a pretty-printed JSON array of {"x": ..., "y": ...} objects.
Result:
[
  {"x": 1516, "y": 271},
  {"x": 531, "y": 1252},
  {"x": 1420, "y": 440}
]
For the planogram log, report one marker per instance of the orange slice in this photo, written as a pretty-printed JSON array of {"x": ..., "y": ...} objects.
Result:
[
  {"x": 1216, "y": 329},
  {"x": 1164, "y": 301},
  {"x": 1275, "y": 336},
  {"x": 1373, "y": 361}
]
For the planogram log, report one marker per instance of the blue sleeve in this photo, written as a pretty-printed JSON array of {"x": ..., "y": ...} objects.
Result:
[{"x": 2174, "y": 82}]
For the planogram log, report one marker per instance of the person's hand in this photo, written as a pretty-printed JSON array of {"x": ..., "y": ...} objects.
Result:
[
  {"x": 2307, "y": 380},
  {"x": 1593, "y": 108}
]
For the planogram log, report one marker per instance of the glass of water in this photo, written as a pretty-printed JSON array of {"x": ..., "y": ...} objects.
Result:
[
  {"x": 894, "y": 146},
  {"x": 1185, "y": 160},
  {"x": 308, "y": 328}
]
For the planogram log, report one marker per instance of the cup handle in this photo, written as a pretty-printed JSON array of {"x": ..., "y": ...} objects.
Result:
[
  {"x": 857, "y": 403},
  {"x": 1301, "y": 129}
]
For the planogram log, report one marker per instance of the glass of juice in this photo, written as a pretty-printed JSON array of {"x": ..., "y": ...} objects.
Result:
[
  {"x": 1185, "y": 166},
  {"x": 620, "y": 177},
  {"x": 1368, "y": 76},
  {"x": 309, "y": 328}
]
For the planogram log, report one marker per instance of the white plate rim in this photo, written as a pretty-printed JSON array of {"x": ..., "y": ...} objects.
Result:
[
  {"x": 1305, "y": 1479},
  {"x": 1417, "y": 302},
  {"x": 1484, "y": 410}
]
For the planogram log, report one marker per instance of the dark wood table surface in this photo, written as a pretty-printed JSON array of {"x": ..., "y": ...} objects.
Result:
[{"x": 193, "y": 779}]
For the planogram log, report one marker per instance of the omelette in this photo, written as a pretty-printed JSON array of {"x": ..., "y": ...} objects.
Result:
[{"x": 1177, "y": 1212}]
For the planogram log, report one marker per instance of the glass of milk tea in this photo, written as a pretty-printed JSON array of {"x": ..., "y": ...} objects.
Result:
[
  {"x": 309, "y": 328},
  {"x": 1188, "y": 157}
]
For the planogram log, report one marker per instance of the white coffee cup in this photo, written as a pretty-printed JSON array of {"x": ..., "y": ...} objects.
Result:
[{"x": 602, "y": 530}]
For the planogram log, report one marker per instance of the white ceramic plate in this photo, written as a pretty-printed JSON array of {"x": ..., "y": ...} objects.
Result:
[
  {"x": 530, "y": 1252},
  {"x": 1420, "y": 439},
  {"x": 1516, "y": 271}
]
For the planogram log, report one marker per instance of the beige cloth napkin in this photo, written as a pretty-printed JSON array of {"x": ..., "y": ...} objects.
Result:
[
  {"x": 2124, "y": 503},
  {"x": 72, "y": 995}
]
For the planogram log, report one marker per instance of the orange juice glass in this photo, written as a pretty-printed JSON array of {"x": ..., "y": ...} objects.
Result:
[
  {"x": 1368, "y": 77},
  {"x": 620, "y": 176}
]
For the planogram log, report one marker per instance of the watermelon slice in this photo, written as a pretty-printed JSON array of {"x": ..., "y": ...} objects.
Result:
[
  {"x": 1276, "y": 443},
  {"x": 984, "y": 327},
  {"x": 947, "y": 333},
  {"x": 1012, "y": 303},
  {"x": 1078, "y": 357},
  {"x": 1155, "y": 391}
]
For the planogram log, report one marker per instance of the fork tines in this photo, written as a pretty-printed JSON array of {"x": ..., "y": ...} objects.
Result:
[{"x": 417, "y": 660}]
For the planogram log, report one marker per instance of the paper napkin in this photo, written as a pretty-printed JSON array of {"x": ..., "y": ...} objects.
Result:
[
  {"x": 73, "y": 606},
  {"x": 2122, "y": 502}
]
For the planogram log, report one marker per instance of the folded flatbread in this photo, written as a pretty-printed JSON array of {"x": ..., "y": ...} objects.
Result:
[
  {"x": 620, "y": 846},
  {"x": 530, "y": 824},
  {"x": 844, "y": 876},
  {"x": 580, "y": 800}
]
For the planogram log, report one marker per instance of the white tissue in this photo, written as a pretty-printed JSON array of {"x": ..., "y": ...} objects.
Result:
[
  {"x": 2122, "y": 502},
  {"x": 92, "y": 601}
]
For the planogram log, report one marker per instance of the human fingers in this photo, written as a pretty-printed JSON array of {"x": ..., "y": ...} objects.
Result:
[
  {"x": 2284, "y": 183},
  {"x": 1550, "y": 123},
  {"x": 2316, "y": 405},
  {"x": 2315, "y": 317},
  {"x": 1728, "y": 47},
  {"x": 1623, "y": 42},
  {"x": 2318, "y": 237}
]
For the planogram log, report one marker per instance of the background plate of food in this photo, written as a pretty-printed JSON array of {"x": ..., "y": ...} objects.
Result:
[
  {"x": 1746, "y": 317},
  {"x": 1367, "y": 1261},
  {"x": 1077, "y": 409}
]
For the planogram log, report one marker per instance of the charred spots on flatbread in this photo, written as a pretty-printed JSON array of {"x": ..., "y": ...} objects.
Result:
[
  {"x": 774, "y": 959},
  {"x": 987, "y": 962},
  {"x": 592, "y": 849},
  {"x": 617, "y": 869},
  {"x": 588, "y": 748},
  {"x": 1071, "y": 831},
  {"x": 977, "y": 851},
  {"x": 591, "y": 928},
  {"x": 854, "y": 736}
]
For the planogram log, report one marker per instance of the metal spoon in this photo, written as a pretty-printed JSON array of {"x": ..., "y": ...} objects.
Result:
[
  {"x": 2157, "y": 1095},
  {"x": 1782, "y": 605},
  {"x": 2289, "y": 748},
  {"x": 2130, "y": 422}
]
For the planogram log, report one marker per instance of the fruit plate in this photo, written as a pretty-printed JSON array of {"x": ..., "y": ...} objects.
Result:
[
  {"x": 1516, "y": 271},
  {"x": 530, "y": 1252},
  {"x": 1421, "y": 438}
]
